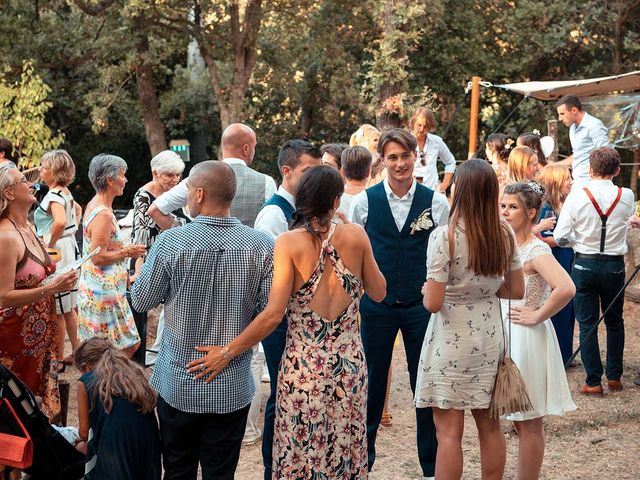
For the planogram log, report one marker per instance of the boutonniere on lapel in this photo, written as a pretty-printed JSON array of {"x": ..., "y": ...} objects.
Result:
[{"x": 423, "y": 222}]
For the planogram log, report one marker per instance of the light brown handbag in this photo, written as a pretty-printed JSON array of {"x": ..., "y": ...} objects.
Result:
[{"x": 510, "y": 394}]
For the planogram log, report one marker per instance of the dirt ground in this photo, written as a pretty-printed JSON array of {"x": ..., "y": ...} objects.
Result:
[{"x": 601, "y": 439}]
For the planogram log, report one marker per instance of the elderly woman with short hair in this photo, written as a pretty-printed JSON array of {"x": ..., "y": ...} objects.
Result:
[
  {"x": 102, "y": 305},
  {"x": 166, "y": 168}
]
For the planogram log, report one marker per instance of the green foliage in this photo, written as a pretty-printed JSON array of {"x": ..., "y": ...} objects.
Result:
[
  {"x": 322, "y": 68},
  {"x": 23, "y": 107}
]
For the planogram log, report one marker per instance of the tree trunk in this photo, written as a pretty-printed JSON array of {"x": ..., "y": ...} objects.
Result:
[
  {"x": 242, "y": 39},
  {"x": 617, "y": 40},
  {"x": 386, "y": 118},
  {"x": 633, "y": 181},
  {"x": 148, "y": 98}
]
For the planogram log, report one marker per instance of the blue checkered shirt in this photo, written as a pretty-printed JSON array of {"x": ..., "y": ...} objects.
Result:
[{"x": 214, "y": 275}]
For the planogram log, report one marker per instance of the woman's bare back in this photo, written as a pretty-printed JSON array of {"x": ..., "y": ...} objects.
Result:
[{"x": 330, "y": 299}]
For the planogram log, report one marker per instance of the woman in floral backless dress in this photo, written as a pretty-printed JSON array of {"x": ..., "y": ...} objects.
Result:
[{"x": 320, "y": 272}]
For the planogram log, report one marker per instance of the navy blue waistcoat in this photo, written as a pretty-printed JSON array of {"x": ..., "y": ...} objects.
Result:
[
  {"x": 284, "y": 205},
  {"x": 402, "y": 257}
]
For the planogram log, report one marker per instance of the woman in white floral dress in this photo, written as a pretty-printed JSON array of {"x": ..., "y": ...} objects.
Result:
[
  {"x": 464, "y": 339},
  {"x": 320, "y": 272},
  {"x": 534, "y": 344}
]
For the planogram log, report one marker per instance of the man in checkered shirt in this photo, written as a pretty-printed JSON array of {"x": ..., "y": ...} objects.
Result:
[{"x": 214, "y": 275}]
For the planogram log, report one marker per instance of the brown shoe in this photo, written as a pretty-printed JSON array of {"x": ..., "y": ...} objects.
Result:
[
  {"x": 589, "y": 390},
  {"x": 386, "y": 420},
  {"x": 615, "y": 385}
]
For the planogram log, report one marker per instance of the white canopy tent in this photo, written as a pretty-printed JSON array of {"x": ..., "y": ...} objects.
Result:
[{"x": 546, "y": 91}]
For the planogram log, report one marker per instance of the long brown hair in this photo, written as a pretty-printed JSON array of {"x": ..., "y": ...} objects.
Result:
[
  {"x": 115, "y": 375},
  {"x": 491, "y": 243},
  {"x": 552, "y": 177}
]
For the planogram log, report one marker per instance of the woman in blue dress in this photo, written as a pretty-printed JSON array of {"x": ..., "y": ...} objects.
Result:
[
  {"x": 116, "y": 415},
  {"x": 556, "y": 179}
]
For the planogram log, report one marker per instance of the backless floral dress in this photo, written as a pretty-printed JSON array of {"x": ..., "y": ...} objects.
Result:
[{"x": 321, "y": 406}]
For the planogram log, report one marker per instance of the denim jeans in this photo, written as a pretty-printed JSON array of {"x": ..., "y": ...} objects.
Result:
[{"x": 597, "y": 283}]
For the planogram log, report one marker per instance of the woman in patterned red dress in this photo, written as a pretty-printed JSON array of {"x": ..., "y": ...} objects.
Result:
[{"x": 27, "y": 312}]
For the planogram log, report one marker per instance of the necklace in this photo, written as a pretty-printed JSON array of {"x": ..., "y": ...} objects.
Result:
[{"x": 30, "y": 235}]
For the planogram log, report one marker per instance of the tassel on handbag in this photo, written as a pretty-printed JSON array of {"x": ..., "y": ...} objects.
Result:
[{"x": 510, "y": 393}]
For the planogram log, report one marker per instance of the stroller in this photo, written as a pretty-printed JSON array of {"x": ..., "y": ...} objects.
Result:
[{"x": 53, "y": 457}]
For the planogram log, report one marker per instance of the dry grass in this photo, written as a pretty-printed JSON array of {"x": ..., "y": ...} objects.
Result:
[{"x": 599, "y": 440}]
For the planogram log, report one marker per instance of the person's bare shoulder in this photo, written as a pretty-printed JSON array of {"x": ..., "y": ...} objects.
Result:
[
  {"x": 290, "y": 239},
  {"x": 352, "y": 231},
  {"x": 9, "y": 241}
]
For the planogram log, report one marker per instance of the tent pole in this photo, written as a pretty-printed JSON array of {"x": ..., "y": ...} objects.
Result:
[
  {"x": 552, "y": 131},
  {"x": 473, "y": 117}
]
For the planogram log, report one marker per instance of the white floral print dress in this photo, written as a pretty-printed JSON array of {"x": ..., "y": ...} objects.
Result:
[
  {"x": 464, "y": 340},
  {"x": 321, "y": 403}
]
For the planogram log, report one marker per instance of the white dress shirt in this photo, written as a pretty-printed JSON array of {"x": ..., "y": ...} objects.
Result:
[
  {"x": 177, "y": 196},
  {"x": 434, "y": 149},
  {"x": 345, "y": 203},
  {"x": 399, "y": 206},
  {"x": 271, "y": 219},
  {"x": 579, "y": 224},
  {"x": 586, "y": 137}
]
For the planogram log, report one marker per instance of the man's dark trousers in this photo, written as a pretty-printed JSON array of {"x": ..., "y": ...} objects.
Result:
[
  {"x": 273, "y": 347},
  {"x": 379, "y": 327},
  {"x": 211, "y": 439},
  {"x": 597, "y": 283}
]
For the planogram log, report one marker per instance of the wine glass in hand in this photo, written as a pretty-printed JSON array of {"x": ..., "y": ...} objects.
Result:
[{"x": 549, "y": 221}]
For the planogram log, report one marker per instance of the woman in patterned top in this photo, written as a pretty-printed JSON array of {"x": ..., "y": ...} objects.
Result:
[
  {"x": 102, "y": 305},
  {"x": 166, "y": 168},
  {"x": 497, "y": 150},
  {"x": 27, "y": 315}
]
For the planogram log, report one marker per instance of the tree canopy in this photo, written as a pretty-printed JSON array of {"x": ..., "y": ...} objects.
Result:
[{"x": 126, "y": 76}]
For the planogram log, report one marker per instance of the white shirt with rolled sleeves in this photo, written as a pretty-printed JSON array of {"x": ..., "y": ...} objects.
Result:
[
  {"x": 579, "y": 224},
  {"x": 271, "y": 219},
  {"x": 586, "y": 137},
  {"x": 399, "y": 206},
  {"x": 434, "y": 149},
  {"x": 176, "y": 197}
]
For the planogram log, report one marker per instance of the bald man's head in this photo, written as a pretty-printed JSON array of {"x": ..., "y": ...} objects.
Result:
[
  {"x": 218, "y": 184},
  {"x": 238, "y": 141}
]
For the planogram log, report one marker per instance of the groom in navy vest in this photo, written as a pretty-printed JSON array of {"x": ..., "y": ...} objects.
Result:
[{"x": 398, "y": 214}]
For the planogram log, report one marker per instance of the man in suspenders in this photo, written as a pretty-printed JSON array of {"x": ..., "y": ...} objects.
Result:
[{"x": 593, "y": 221}]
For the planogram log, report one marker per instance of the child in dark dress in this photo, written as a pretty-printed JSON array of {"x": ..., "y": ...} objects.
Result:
[{"x": 116, "y": 415}]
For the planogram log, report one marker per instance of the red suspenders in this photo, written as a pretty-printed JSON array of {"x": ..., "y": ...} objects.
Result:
[{"x": 603, "y": 216}]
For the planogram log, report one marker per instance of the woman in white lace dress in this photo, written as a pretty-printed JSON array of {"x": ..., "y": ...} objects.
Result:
[
  {"x": 534, "y": 345},
  {"x": 464, "y": 340}
]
